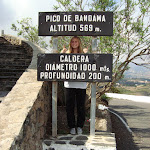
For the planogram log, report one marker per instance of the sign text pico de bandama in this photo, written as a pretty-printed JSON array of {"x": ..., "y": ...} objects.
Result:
[{"x": 75, "y": 23}]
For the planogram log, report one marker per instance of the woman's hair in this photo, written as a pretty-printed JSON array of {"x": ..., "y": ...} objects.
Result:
[{"x": 70, "y": 50}]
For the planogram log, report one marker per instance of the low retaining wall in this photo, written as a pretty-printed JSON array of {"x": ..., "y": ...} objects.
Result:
[{"x": 25, "y": 110}]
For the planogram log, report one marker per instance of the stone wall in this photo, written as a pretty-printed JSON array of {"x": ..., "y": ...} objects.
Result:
[
  {"x": 25, "y": 110},
  {"x": 34, "y": 127},
  {"x": 18, "y": 41}
]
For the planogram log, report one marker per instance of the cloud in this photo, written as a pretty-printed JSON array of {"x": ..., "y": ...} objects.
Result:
[
  {"x": 13, "y": 10},
  {"x": 6, "y": 13},
  {"x": 37, "y": 6}
]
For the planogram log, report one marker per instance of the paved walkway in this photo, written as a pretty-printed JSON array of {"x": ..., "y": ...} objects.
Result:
[
  {"x": 135, "y": 98},
  {"x": 101, "y": 141},
  {"x": 137, "y": 116}
]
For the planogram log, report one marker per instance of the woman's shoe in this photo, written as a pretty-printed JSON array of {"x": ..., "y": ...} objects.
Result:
[
  {"x": 79, "y": 130},
  {"x": 73, "y": 131}
]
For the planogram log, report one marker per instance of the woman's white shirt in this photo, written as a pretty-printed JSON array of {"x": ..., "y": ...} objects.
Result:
[{"x": 76, "y": 85}]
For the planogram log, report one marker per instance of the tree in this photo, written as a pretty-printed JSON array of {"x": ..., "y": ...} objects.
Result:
[
  {"x": 130, "y": 42},
  {"x": 25, "y": 29}
]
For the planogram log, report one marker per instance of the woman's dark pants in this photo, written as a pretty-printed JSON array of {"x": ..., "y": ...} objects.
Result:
[{"x": 75, "y": 97}]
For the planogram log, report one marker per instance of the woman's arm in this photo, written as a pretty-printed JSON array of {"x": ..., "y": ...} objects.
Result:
[
  {"x": 64, "y": 49},
  {"x": 85, "y": 50}
]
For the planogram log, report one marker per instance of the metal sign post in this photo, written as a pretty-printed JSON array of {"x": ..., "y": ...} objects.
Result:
[
  {"x": 93, "y": 109},
  {"x": 54, "y": 97},
  {"x": 93, "y": 96}
]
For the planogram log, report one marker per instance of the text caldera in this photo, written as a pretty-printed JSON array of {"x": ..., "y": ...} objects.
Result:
[{"x": 74, "y": 58}]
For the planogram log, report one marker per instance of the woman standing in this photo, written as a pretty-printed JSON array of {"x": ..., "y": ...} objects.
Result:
[{"x": 75, "y": 93}]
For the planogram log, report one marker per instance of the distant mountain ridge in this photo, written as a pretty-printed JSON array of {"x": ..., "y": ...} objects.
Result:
[{"x": 137, "y": 72}]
